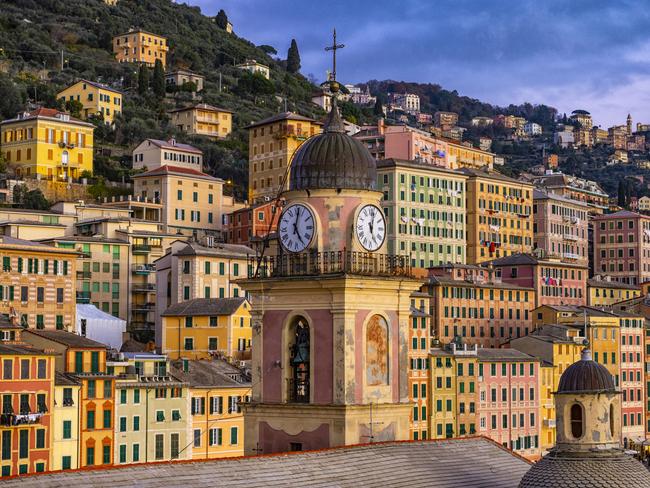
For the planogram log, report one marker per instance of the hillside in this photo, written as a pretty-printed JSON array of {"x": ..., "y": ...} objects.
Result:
[{"x": 34, "y": 32}]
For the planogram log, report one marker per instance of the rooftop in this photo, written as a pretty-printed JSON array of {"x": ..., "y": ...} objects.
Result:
[
  {"x": 201, "y": 106},
  {"x": 611, "y": 284},
  {"x": 172, "y": 144},
  {"x": 223, "y": 250},
  {"x": 471, "y": 463},
  {"x": 47, "y": 113},
  {"x": 177, "y": 171},
  {"x": 520, "y": 258},
  {"x": 205, "y": 306},
  {"x": 101, "y": 86},
  {"x": 21, "y": 349},
  {"x": 209, "y": 373},
  {"x": 491, "y": 175},
  {"x": 66, "y": 338},
  {"x": 282, "y": 116},
  {"x": 489, "y": 354}
]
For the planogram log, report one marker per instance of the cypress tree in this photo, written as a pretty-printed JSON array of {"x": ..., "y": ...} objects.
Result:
[
  {"x": 143, "y": 79},
  {"x": 158, "y": 82},
  {"x": 293, "y": 58},
  {"x": 222, "y": 19},
  {"x": 379, "y": 108}
]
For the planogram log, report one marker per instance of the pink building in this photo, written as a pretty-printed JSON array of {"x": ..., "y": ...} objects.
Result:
[
  {"x": 560, "y": 227},
  {"x": 622, "y": 246},
  {"x": 403, "y": 142},
  {"x": 508, "y": 407},
  {"x": 555, "y": 282},
  {"x": 632, "y": 377}
]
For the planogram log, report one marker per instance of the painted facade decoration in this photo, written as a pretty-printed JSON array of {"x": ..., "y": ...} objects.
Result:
[{"x": 377, "y": 351}]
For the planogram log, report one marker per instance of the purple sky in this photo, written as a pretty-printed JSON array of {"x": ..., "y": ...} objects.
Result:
[{"x": 588, "y": 54}]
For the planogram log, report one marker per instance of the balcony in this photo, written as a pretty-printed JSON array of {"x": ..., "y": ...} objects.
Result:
[
  {"x": 324, "y": 263},
  {"x": 83, "y": 297},
  {"x": 83, "y": 275},
  {"x": 143, "y": 307},
  {"x": 143, "y": 269},
  {"x": 20, "y": 420},
  {"x": 141, "y": 248},
  {"x": 570, "y": 255},
  {"x": 144, "y": 288},
  {"x": 550, "y": 423},
  {"x": 85, "y": 254},
  {"x": 570, "y": 237},
  {"x": 142, "y": 325}
]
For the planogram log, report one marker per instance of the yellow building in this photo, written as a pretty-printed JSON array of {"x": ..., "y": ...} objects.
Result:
[
  {"x": 152, "y": 416},
  {"x": 98, "y": 100},
  {"x": 85, "y": 359},
  {"x": 37, "y": 283},
  {"x": 202, "y": 120},
  {"x": 499, "y": 216},
  {"x": 442, "y": 403},
  {"x": 558, "y": 351},
  {"x": 48, "y": 143},
  {"x": 271, "y": 144},
  {"x": 65, "y": 416},
  {"x": 603, "y": 292},
  {"x": 200, "y": 328},
  {"x": 461, "y": 156},
  {"x": 217, "y": 391},
  {"x": 138, "y": 46},
  {"x": 102, "y": 271}
]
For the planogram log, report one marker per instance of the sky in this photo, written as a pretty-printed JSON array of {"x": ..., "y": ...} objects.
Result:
[{"x": 570, "y": 54}]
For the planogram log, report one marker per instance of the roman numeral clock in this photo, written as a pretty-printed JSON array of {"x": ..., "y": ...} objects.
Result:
[
  {"x": 296, "y": 227},
  {"x": 370, "y": 227}
]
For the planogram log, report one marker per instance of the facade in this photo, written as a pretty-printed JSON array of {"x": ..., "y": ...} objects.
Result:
[
  {"x": 251, "y": 224},
  {"x": 254, "y": 67},
  {"x": 424, "y": 207},
  {"x": 644, "y": 204},
  {"x": 98, "y": 100},
  {"x": 499, "y": 216},
  {"x": 217, "y": 392},
  {"x": 445, "y": 119},
  {"x": 189, "y": 271},
  {"x": 152, "y": 411},
  {"x": 409, "y": 102},
  {"x": 557, "y": 351},
  {"x": 532, "y": 129},
  {"x": 560, "y": 227},
  {"x": 102, "y": 271},
  {"x": 466, "y": 156},
  {"x": 206, "y": 327},
  {"x": 574, "y": 188},
  {"x": 202, "y": 120},
  {"x": 27, "y": 392},
  {"x": 65, "y": 418},
  {"x": 182, "y": 78},
  {"x": 472, "y": 303},
  {"x": 602, "y": 291},
  {"x": 419, "y": 342},
  {"x": 192, "y": 201},
  {"x": 86, "y": 361},
  {"x": 622, "y": 246},
  {"x": 138, "y": 46},
  {"x": 48, "y": 143},
  {"x": 153, "y": 153},
  {"x": 271, "y": 145},
  {"x": 38, "y": 284},
  {"x": 555, "y": 282},
  {"x": 408, "y": 143}
]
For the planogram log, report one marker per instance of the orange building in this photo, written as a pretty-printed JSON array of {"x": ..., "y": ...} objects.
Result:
[
  {"x": 85, "y": 359},
  {"x": 418, "y": 372},
  {"x": 27, "y": 393},
  {"x": 138, "y": 46}
]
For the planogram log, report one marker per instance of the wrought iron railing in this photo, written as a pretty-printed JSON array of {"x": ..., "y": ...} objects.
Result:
[
  {"x": 298, "y": 391},
  {"x": 332, "y": 262}
]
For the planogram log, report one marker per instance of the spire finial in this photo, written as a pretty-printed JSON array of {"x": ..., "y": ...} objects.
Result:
[{"x": 334, "y": 86}]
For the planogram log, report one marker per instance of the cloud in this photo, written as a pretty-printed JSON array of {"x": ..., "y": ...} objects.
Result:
[{"x": 581, "y": 52}]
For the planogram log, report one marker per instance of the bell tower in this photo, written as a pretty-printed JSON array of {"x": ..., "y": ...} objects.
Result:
[{"x": 331, "y": 309}]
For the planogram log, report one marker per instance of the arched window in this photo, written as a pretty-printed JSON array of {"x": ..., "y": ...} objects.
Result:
[
  {"x": 576, "y": 420},
  {"x": 64, "y": 158},
  {"x": 299, "y": 352},
  {"x": 377, "y": 351}
]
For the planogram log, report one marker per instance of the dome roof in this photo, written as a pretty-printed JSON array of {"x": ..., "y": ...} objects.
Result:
[
  {"x": 606, "y": 470},
  {"x": 333, "y": 159},
  {"x": 586, "y": 375}
]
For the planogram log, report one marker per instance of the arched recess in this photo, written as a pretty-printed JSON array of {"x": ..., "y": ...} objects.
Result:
[
  {"x": 298, "y": 358},
  {"x": 377, "y": 353}
]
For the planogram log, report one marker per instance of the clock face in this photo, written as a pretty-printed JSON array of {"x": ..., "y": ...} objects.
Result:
[
  {"x": 296, "y": 227},
  {"x": 371, "y": 227}
]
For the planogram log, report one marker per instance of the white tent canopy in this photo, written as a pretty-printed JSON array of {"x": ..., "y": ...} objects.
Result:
[{"x": 100, "y": 326}]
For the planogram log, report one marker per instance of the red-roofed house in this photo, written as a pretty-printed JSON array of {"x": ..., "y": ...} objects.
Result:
[{"x": 154, "y": 153}]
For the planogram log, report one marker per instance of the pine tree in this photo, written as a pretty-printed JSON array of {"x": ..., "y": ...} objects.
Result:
[
  {"x": 293, "y": 58},
  {"x": 222, "y": 19},
  {"x": 621, "y": 194},
  {"x": 143, "y": 79},
  {"x": 378, "y": 110},
  {"x": 158, "y": 82}
]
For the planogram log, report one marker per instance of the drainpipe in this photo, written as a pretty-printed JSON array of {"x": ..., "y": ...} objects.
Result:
[
  {"x": 146, "y": 423},
  {"x": 179, "y": 339},
  {"x": 510, "y": 406}
]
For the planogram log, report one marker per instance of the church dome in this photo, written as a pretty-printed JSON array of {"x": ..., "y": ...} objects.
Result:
[
  {"x": 333, "y": 160},
  {"x": 586, "y": 376}
]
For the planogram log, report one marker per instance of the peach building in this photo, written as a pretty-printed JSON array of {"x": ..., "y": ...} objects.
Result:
[
  {"x": 632, "y": 379},
  {"x": 472, "y": 303},
  {"x": 402, "y": 142},
  {"x": 622, "y": 246},
  {"x": 555, "y": 282},
  {"x": 560, "y": 227},
  {"x": 202, "y": 120}
]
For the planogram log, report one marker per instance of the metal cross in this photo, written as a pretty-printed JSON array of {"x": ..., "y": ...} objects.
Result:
[{"x": 333, "y": 48}]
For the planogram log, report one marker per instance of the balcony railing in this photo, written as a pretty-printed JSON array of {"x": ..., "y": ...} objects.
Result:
[
  {"x": 143, "y": 269},
  {"x": 141, "y": 248},
  {"x": 83, "y": 275},
  {"x": 17, "y": 420},
  {"x": 333, "y": 262},
  {"x": 144, "y": 288},
  {"x": 83, "y": 297},
  {"x": 85, "y": 254},
  {"x": 298, "y": 391},
  {"x": 143, "y": 307},
  {"x": 570, "y": 237}
]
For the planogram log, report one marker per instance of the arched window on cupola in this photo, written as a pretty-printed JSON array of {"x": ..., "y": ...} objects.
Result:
[
  {"x": 299, "y": 358},
  {"x": 577, "y": 420}
]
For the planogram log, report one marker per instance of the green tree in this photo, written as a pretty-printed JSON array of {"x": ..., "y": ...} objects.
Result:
[
  {"x": 143, "y": 79},
  {"x": 378, "y": 109},
  {"x": 11, "y": 101},
  {"x": 158, "y": 82},
  {"x": 74, "y": 107},
  {"x": 221, "y": 19},
  {"x": 293, "y": 58},
  {"x": 30, "y": 199},
  {"x": 621, "y": 194}
]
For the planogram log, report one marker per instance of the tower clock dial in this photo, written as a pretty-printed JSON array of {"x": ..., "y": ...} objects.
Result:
[
  {"x": 371, "y": 227},
  {"x": 296, "y": 227}
]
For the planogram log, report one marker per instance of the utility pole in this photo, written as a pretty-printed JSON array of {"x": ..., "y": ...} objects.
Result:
[
  {"x": 61, "y": 59},
  {"x": 219, "y": 81}
]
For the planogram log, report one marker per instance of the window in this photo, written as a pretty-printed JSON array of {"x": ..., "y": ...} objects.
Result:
[
  {"x": 66, "y": 462},
  {"x": 24, "y": 369},
  {"x": 136, "y": 453},
  {"x": 90, "y": 419},
  {"x": 40, "y": 438},
  {"x": 576, "y": 420},
  {"x": 234, "y": 435},
  {"x": 136, "y": 423},
  {"x": 6, "y": 444},
  {"x": 198, "y": 405},
  {"x": 123, "y": 393},
  {"x": 122, "y": 453},
  {"x": 90, "y": 456},
  {"x": 160, "y": 416},
  {"x": 189, "y": 343},
  {"x": 42, "y": 369},
  {"x": 106, "y": 454},
  {"x": 91, "y": 389},
  {"x": 122, "y": 424},
  {"x": 197, "y": 437},
  {"x": 160, "y": 445},
  {"x": 67, "y": 429},
  {"x": 176, "y": 415}
]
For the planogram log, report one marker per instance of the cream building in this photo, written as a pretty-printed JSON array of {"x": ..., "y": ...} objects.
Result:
[
  {"x": 154, "y": 153},
  {"x": 202, "y": 120},
  {"x": 182, "y": 77},
  {"x": 253, "y": 67},
  {"x": 65, "y": 418}
]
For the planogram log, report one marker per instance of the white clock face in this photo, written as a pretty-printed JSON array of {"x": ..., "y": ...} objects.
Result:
[
  {"x": 296, "y": 227},
  {"x": 371, "y": 227}
]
